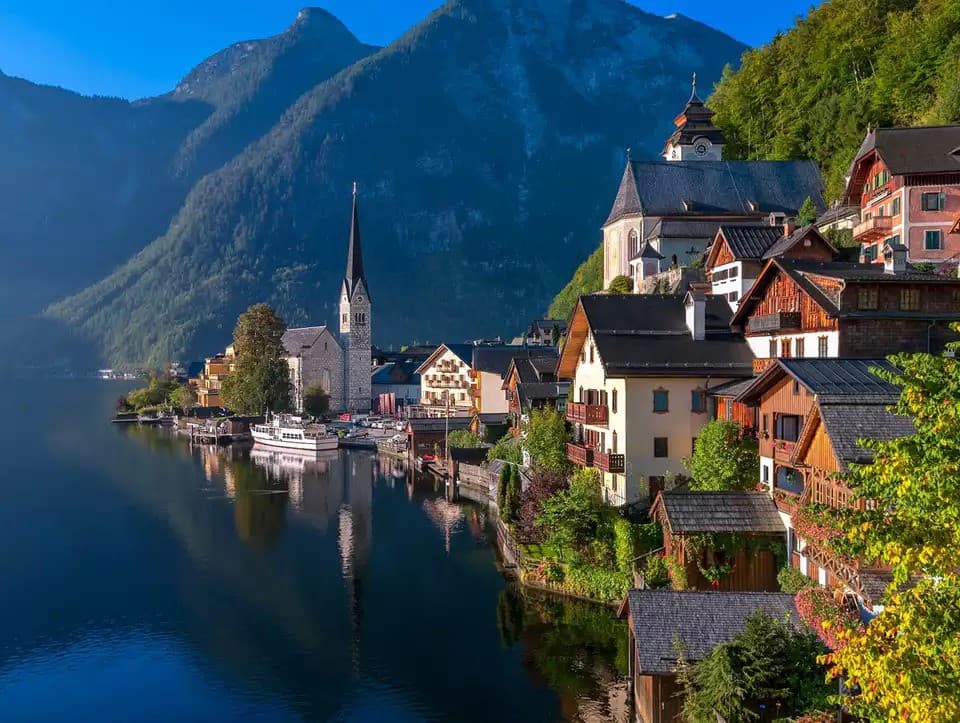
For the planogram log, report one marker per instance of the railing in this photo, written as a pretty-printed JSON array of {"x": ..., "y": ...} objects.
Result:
[
  {"x": 783, "y": 450},
  {"x": 872, "y": 228},
  {"x": 832, "y": 493},
  {"x": 609, "y": 462},
  {"x": 761, "y": 365},
  {"x": 579, "y": 455},
  {"x": 595, "y": 414},
  {"x": 774, "y": 322}
]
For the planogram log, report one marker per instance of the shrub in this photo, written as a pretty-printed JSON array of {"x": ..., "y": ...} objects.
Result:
[
  {"x": 792, "y": 580},
  {"x": 598, "y": 584},
  {"x": 463, "y": 438},
  {"x": 316, "y": 402},
  {"x": 649, "y": 537},
  {"x": 655, "y": 573},
  {"x": 508, "y": 449},
  {"x": 824, "y": 615},
  {"x": 723, "y": 459},
  {"x": 624, "y": 544},
  {"x": 502, "y": 483}
]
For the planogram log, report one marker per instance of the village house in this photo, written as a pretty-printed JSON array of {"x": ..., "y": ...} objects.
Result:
[
  {"x": 209, "y": 382},
  {"x": 446, "y": 382},
  {"x": 688, "y": 518},
  {"x": 738, "y": 254},
  {"x": 490, "y": 366},
  {"x": 906, "y": 183},
  {"x": 395, "y": 385},
  {"x": 666, "y": 212},
  {"x": 541, "y": 332},
  {"x": 813, "y": 414},
  {"x": 640, "y": 369},
  {"x": 800, "y": 308},
  {"x": 665, "y": 625},
  {"x": 531, "y": 383}
]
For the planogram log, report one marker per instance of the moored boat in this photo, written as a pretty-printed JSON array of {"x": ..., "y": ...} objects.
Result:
[{"x": 287, "y": 432}]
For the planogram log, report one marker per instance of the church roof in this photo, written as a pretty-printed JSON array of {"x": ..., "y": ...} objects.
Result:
[
  {"x": 355, "y": 274},
  {"x": 296, "y": 340},
  {"x": 695, "y": 121},
  {"x": 716, "y": 188}
]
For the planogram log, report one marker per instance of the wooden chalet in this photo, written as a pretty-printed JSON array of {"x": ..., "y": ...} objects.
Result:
[
  {"x": 683, "y": 514},
  {"x": 667, "y": 624},
  {"x": 531, "y": 383},
  {"x": 425, "y": 433},
  {"x": 836, "y": 309}
]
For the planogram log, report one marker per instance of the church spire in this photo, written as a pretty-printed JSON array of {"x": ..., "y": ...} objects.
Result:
[
  {"x": 694, "y": 98},
  {"x": 354, "y": 252}
]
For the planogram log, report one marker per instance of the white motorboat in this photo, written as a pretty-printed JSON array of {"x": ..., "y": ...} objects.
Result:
[{"x": 287, "y": 432}]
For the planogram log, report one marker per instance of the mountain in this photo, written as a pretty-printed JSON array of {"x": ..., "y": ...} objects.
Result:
[
  {"x": 813, "y": 91},
  {"x": 587, "y": 279},
  {"x": 487, "y": 141}
]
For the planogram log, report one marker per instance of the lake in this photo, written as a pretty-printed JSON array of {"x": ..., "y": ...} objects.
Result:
[{"x": 148, "y": 580}]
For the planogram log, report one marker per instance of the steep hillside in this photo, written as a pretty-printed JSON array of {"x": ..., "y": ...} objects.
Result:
[
  {"x": 487, "y": 142},
  {"x": 587, "y": 279},
  {"x": 813, "y": 91}
]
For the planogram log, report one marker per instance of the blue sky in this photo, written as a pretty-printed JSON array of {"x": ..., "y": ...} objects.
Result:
[{"x": 137, "y": 49}]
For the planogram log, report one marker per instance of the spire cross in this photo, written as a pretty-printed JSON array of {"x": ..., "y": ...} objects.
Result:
[
  {"x": 354, "y": 189},
  {"x": 694, "y": 82}
]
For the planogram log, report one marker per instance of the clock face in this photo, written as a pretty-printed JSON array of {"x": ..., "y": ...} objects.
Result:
[{"x": 701, "y": 149}]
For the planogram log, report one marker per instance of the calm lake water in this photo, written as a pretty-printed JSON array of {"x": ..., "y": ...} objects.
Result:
[{"x": 147, "y": 581}]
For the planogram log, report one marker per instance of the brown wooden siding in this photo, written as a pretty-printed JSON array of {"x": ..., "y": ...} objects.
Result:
[
  {"x": 783, "y": 295},
  {"x": 820, "y": 454},
  {"x": 781, "y": 400},
  {"x": 754, "y": 572}
]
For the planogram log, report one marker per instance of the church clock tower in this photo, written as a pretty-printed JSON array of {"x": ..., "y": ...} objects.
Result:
[
  {"x": 696, "y": 137},
  {"x": 355, "y": 314}
]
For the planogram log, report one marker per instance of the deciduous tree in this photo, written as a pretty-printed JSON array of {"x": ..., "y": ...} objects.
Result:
[
  {"x": 261, "y": 378},
  {"x": 316, "y": 401},
  {"x": 723, "y": 458},
  {"x": 546, "y": 439}
]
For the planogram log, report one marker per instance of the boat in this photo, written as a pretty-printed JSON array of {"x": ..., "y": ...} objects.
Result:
[
  {"x": 126, "y": 418},
  {"x": 289, "y": 432}
]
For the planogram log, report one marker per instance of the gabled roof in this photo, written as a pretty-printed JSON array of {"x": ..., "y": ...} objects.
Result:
[
  {"x": 847, "y": 424},
  {"x": 746, "y": 243},
  {"x": 647, "y": 335},
  {"x": 295, "y": 341},
  {"x": 421, "y": 425},
  {"x": 830, "y": 379},
  {"x": 785, "y": 243},
  {"x": 534, "y": 369},
  {"x": 924, "y": 149},
  {"x": 531, "y": 392},
  {"x": 545, "y": 326},
  {"x": 647, "y": 252},
  {"x": 688, "y": 512},
  {"x": 681, "y": 229},
  {"x": 731, "y": 390},
  {"x": 463, "y": 352},
  {"x": 396, "y": 373},
  {"x": 496, "y": 359},
  {"x": 716, "y": 188},
  {"x": 697, "y": 621}
]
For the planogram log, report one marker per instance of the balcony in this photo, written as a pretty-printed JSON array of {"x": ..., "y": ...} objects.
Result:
[
  {"x": 761, "y": 365},
  {"x": 595, "y": 414},
  {"x": 783, "y": 450},
  {"x": 873, "y": 229},
  {"x": 579, "y": 455},
  {"x": 607, "y": 462},
  {"x": 780, "y": 321}
]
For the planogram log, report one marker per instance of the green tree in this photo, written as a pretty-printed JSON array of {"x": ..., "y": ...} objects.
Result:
[
  {"x": 621, "y": 285},
  {"x": 502, "y": 484},
  {"x": 514, "y": 488},
  {"x": 261, "y": 378},
  {"x": 574, "y": 517},
  {"x": 508, "y": 449},
  {"x": 183, "y": 397},
  {"x": 807, "y": 213},
  {"x": 546, "y": 440},
  {"x": 587, "y": 279},
  {"x": 723, "y": 458},
  {"x": 316, "y": 401},
  {"x": 907, "y": 660},
  {"x": 769, "y": 663},
  {"x": 463, "y": 438}
]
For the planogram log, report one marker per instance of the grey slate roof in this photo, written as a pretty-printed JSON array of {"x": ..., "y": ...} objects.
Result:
[
  {"x": 709, "y": 188},
  {"x": 681, "y": 228},
  {"x": 647, "y": 252},
  {"x": 728, "y": 511},
  {"x": 296, "y": 340},
  {"x": 843, "y": 379},
  {"x": 847, "y": 423},
  {"x": 530, "y": 392},
  {"x": 496, "y": 359},
  {"x": 696, "y": 621},
  {"x": 731, "y": 389},
  {"x": 750, "y": 242},
  {"x": 785, "y": 243},
  {"x": 438, "y": 425},
  {"x": 464, "y": 352},
  {"x": 931, "y": 149},
  {"x": 638, "y": 335}
]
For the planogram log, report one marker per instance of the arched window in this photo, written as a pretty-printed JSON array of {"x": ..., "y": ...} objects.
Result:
[{"x": 633, "y": 239}]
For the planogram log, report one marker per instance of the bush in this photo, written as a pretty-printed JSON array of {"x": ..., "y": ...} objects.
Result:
[
  {"x": 655, "y": 573},
  {"x": 598, "y": 584},
  {"x": 624, "y": 545},
  {"x": 508, "y": 449},
  {"x": 316, "y": 401},
  {"x": 792, "y": 580},
  {"x": 723, "y": 459},
  {"x": 502, "y": 484},
  {"x": 649, "y": 537},
  {"x": 463, "y": 439}
]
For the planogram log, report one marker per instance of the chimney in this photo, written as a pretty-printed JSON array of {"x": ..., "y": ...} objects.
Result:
[
  {"x": 789, "y": 226},
  {"x": 894, "y": 258},
  {"x": 775, "y": 218},
  {"x": 695, "y": 304}
]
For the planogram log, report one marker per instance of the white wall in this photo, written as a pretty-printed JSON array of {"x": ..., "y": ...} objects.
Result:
[
  {"x": 760, "y": 344},
  {"x": 493, "y": 399},
  {"x": 460, "y": 397}
]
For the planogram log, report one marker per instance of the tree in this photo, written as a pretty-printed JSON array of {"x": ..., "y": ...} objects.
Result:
[
  {"x": 807, "y": 213},
  {"x": 463, "y": 438},
  {"x": 260, "y": 380},
  {"x": 587, "y": 279},
  {"x": 502, "y": 484},
  {"x": 508, "y": 449},
  {"x": 316, "y": 401},
  {"x": 546, "y": 439},
  {"x": 769, "y": 663},
  {"x": 723, "y": 458},
  {"x": 514, "y": 489},
  {"x": 906, "y": 662},
  {"x": 555, "y": 334},
  {"x": 621, "y": 285},
  {"x": 574, "y": 517},
  {"x": 182, "y": 396}
]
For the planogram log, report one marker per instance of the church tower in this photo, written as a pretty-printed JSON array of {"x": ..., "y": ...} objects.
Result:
[
  {"x": 355, "y": 324},
  {"x": 696, "y": 137}
]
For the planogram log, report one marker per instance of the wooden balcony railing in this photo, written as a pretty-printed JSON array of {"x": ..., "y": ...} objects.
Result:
[
  {"x": 579, "y": 455},
  {"x": 608, "y": 462},
  {"x": 873, "y": 229},
  {"x": 595, "y": 414},
  {"x": 783, "y": 450},
  {"x": 779, "y": 321},
  {"x": 761, "y": 365}
]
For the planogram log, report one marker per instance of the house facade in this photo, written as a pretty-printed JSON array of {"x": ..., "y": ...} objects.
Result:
[
  {"x": 490, "y": 366},
  {"x": 531, "y": 383},
  {"x": 906, "y": 183},
  {"x": 446, "y": 382},
  {"x": 640, "y": 368},
  {"x": 209, "y": 382}
]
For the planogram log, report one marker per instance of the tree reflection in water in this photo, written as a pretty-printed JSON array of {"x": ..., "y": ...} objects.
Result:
[{"x": 260, "y": 505}]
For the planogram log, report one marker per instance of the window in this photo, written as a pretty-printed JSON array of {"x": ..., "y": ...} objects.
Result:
[
  {"x": 583, "y": 354},
  {"x": 698, "y": 401},
  {"x": 785, "y": 348},
  {"x": 773, "y": 348},
  {"x": 895, "y": 207},
  {"x": 933, "y": 240},
  {"x": 867, "y": 297},
  {"x": 661, "y": 401},
  {"x": 346, "y": 318},
  {"x": 796, "y": 388},
  {"x": 614, "y": 442},
  {"x": 935, "y": 201},
  {"x": 880, "y": 213},
  {"x": 822, "y": 347},
  {"x": 788, "y": 427},
  {"x": 764, "y": 427},
  {"x": 591, "y": 353},
  {"x": 634, "y": 241},
  {"x": 613, "y": 401},
  {"x": 734, "y": 296},
  {"x": 800, "y": 349},
  {"x": 766, "y": 471},
  {"x": 909, "y": 299},
  {"x": 660, "y": 447},
  {"x": 734, "y": 272},
  {"x": 869, "y": 253}
]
